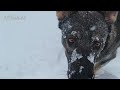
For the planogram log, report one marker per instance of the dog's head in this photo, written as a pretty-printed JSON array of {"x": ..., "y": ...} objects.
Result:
[{"x": 84, "y": 37}]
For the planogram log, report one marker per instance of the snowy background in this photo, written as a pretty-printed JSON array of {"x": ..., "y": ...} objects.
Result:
[{"x": 30, "y": 47}]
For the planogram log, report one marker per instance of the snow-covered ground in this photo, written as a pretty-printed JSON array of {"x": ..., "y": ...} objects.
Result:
[{"x": 30, "y": 47}]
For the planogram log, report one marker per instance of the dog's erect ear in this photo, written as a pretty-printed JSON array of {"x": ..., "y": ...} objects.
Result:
[
  {"x": 110, "y": 16},
  {"x": 62, "y": 14}
]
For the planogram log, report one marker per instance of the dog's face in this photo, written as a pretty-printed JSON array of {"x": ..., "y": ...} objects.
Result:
[{"x": 84, "y": 36}]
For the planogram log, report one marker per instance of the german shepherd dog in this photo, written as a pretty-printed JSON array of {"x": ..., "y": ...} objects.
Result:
[{"x": 90, "y": 39}]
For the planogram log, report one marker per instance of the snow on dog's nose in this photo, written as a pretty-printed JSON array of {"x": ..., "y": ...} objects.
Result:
[{"x": 81, "y": 67}]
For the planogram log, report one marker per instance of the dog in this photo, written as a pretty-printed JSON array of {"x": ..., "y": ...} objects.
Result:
[{"x": 90, "y": 39}]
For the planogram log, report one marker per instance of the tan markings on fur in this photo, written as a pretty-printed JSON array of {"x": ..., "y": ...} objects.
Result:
[
  {"x": 111, "y": 16},
  {"x": 62, "y": 14},
  {"x": 112, "y": 35},
  {"x": 97, "y": 67},
  {"x": 59, "y": 14}
]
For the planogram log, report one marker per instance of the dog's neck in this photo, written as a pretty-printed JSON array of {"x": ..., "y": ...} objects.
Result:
[{"x": 109, "y": 51}]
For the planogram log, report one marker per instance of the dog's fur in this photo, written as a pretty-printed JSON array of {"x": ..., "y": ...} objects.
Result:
[{"x": 111, "y": 19}]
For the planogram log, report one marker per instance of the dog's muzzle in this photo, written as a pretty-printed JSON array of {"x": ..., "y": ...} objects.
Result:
[{"x": 81, "y": 69}]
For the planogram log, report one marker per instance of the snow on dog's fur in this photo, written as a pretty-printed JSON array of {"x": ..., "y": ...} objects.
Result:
[{"x": 90, "y": 39}]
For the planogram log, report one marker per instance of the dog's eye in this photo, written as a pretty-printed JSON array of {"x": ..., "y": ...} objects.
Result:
[
  {"x": 96, "y": 44},
  {"x": 71, "y": 40}
]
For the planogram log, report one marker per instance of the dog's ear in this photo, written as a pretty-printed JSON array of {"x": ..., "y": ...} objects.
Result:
[
  {"x": 62, "y": 14},
  {"x": 110, "y": 16}
]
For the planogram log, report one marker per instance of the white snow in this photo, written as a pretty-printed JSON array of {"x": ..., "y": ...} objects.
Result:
[
  {"x": 91, "y": 58},
  {"x": 73, "y": 33},
  {"x": 81, "y": 67},
  {"x": 96, "y": 38},
  {"x": 31, "y": 47},
  {"x": 92, "y": 28},
  {"x": 71, "y": 73},
  {"x": 69, "y": 25},
  {"x": 75, "y": 56}
]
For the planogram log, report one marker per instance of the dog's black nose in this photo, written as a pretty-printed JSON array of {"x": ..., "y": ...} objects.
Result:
[{"x": 81, "y": 69}]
